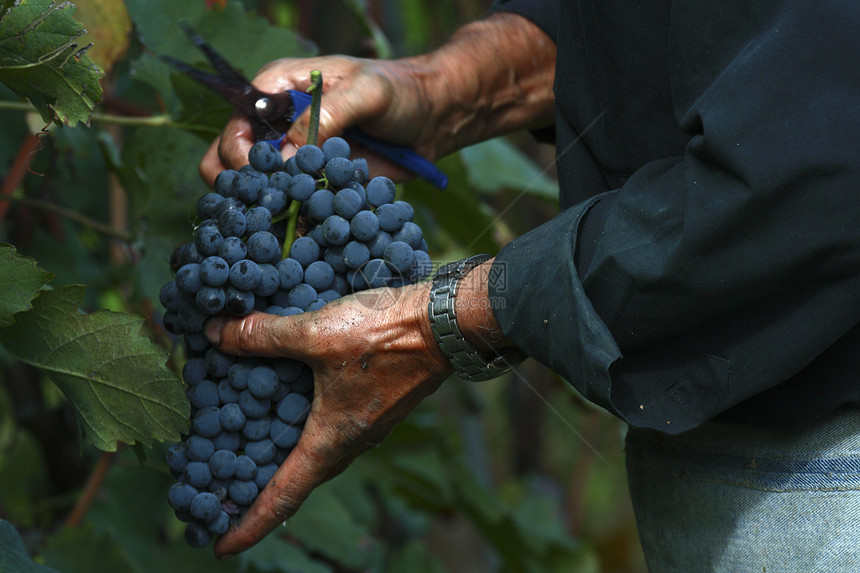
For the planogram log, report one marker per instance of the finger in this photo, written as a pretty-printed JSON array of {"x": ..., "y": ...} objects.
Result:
[
  {"x": 257, "y": 334},
  {"x": 236, "y": 141},
  {"x": 210, "y": 165},
  {"x": 304, "y": 469}
]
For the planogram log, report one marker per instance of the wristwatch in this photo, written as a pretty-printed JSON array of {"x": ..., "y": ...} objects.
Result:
[{"x": 468, "y": 363}]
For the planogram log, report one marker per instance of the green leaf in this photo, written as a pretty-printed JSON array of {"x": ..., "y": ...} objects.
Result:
[
  {"x": 115, "y": 378},
  {"x": 229, "y": 30},
  {"x": 20, "y": 281},
  {"x": 82, "y": 550},
  {"x": 324, "y": 517},
  {"x": 42, "y": 60},
  {"x": 496, "y": 164},
  {"x": 274, "y": 555},
  {"x": 13, "y": 554}
]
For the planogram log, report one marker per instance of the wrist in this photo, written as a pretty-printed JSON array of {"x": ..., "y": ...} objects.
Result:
[{"x": 489, "y": 354}]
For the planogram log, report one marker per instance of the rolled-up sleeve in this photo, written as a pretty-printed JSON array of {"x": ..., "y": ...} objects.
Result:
[{"x": 710, "y": 277}]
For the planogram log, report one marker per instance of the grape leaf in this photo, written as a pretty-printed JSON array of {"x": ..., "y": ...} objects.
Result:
[
  {"x": 82, "y": 550},
  {"x": 20, "y": 281},
  {"x": 13, "y": 556},
  {"x": 497, "y": 164},
  {"x": 115, "y": 378},
  {"x": 107, "y": 28},
  {"x": 42, "y": 60},
  {"x": 229, "y": 30}
]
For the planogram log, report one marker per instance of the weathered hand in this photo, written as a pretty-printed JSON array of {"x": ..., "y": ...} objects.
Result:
[
  {"x": 378, "y": 95},
  {"x": 374, "y": 359}
]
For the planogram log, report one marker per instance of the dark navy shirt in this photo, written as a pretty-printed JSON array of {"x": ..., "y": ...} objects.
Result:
[{"x": 706, "y": 263}]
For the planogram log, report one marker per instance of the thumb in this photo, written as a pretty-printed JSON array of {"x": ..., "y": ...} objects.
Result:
[{"x": 256, "y": 334}]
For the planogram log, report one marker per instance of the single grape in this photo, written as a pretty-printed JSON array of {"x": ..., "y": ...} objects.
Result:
[
  {"x": 335, "y": 147},
  {"x": 319, "y": 275},
  {"x": 261, "y": 451},
  {"x": 211, "y": 300},
  {"x": 191, "y": 318},
  {"x": 207, "y": 422},
  {"x": 247, "y": 187},
  {"x": 290, "y": 272},
  {"x": 305, "y": 250},
  {"x": 197, "y": 474},
  {"x": 262, "y": 382},
  {"x": 335, "y": 258},
  {"x": 264, "y": 474},
  {"x": 302, "y": 295},
  {"x": 347, "y": 202},
  {"x": 409, "y": 233},
  {"x": 232, "y": 223},
  {"x": 263, "y": 247},
  {"x": 364, "y": 225},
  {"x": 270, "y": 281},
  {"x": 238, "y": 375},
  {"x": 231, "y": 417},
  {"x": 362, "y": 173},
  {"x": 273, "y": 199},
  {"x": 205, "y": 506},
  {"x": 196, "y": 535},
  {"x": 284, "y": 435},
  {"x": 214, "y": 271},
  {"x": 355, "y": 254},
  {"x": 378, "y": 244},
  {"x": 258, "y": 219},
  {"x": 301, "y": 187},
  {"x": 243, "y": 492},
  {"x": 220, "y": 524},
  {"x": 264, "y": 157},
  {"x": 170, "y": 296},
  {"x": 218, "y": 363},
  {"x": 376, "y": 273},
  {"x": 226, "y": 393},
  {"x": 389, "y": 217},
  {"x": 232, "y": 250},
  {"x": 380, "y": 191},
  {"x": 321, "y": 205},
  {"x": 310, "y": 159},
  {"x": 339, "y": 171},
  {"x": 293, "y": 408},
  {"x": 252, "y": 406},
  {"x": 245, "y": 275},
  {"x": 239, "y": 302},
  {"x": 188, "y": 278},
  {"x": 224, "y": 180},
  {"x": 246, "y": 469},
  {"x": 203, "y": 394},
  {"x": 227, "y": 441},
  {"x": 177, "y": 458},
  {"x": 335, "y": 230},
  {"x": 208, "y": 203},
  {"x": 179, "y": 496},
  {"x": 399, "y": 256},
  {"x": 280, "y": 180}
]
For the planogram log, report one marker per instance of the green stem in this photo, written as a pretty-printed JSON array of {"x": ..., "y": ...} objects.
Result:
[
  {"x": 316, "y": 97},
  {"x": 292, "y": 223},
  {"x": 161, "y": 120},
  {"x": 97, "y": 226}
]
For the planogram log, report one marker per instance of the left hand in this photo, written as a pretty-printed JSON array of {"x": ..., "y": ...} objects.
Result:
[{"x": 373, "y": 358}]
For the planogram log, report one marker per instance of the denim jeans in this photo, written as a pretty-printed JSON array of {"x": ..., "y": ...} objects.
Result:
[{"x": 737, "y": 499}]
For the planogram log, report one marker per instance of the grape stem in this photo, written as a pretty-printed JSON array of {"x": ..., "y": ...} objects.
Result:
[
  {"x": 316, "y": 97},
  {"x": 313, "y": 131}
]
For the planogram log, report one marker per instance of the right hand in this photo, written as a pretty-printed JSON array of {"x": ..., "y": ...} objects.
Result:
[{"x": 384, "y": 98}]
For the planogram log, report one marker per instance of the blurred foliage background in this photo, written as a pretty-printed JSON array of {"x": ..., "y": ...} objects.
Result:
[{"x": 517, "y": 474}]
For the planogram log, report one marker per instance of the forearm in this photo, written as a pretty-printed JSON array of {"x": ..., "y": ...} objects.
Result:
[{"x": 493, "y": 77}]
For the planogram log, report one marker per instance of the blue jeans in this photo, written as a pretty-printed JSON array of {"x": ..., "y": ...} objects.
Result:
[{"x": 737, "y": 499}]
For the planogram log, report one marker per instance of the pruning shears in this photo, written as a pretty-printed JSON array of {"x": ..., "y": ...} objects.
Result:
[{"x": 271, "y": 114}]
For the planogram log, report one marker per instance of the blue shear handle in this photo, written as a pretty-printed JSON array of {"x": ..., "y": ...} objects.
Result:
[{"x": 400, "y": 155}]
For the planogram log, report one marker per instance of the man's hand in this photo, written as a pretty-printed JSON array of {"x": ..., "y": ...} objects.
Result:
[
  {"x": 374, "y": 359},
  {"x": 494, "y": 76}
]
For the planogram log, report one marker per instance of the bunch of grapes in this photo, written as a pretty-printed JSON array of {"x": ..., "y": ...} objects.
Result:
[{"x": 248, "y": 413}]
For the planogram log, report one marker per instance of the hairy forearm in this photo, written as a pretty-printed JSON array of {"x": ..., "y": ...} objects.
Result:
[{"x": 493, "y": 77}]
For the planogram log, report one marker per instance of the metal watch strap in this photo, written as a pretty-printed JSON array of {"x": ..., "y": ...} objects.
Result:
[{"x": 468, "y": 363}]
